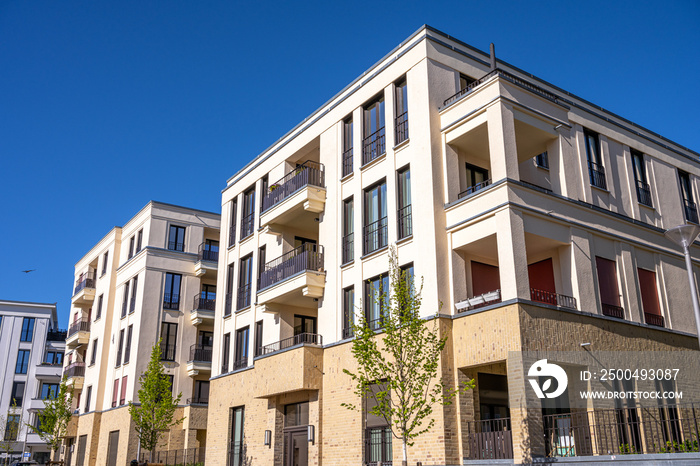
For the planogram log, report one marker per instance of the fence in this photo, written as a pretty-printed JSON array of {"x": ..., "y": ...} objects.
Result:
[{"x": 182, "y": 457}]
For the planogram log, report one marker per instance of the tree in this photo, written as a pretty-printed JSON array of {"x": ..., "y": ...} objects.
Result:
[
  {"x": 156, "y": 409},
  {"x": 54, "y": 418},
  {"x": 398, "y": 365},
  {"x": 12, "y": 423}
]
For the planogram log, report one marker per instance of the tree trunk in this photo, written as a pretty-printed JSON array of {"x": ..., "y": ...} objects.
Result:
[{"x": 405, "y": 452}]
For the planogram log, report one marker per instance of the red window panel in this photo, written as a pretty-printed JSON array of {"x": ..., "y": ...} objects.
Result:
[
  {"x": 650, "y": 297},
  {"x": 115, "y": 393},
  {"x": 485, "y": 278},
  {"x": 123, "y": 397},
  {"x": 607, "y": 281},
  {"x": 541, "y": 275}
]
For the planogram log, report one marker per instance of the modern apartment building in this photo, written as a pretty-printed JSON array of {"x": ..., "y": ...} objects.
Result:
[
  {"x": 154, "y": 278},
  {"x": 31, "y": 361},
  {"x": 536, "y": 218}
]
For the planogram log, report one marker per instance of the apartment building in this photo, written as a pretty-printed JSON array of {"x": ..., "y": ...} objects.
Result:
[
  {"x": 154, "y": 278},
  {"x": 31, "y": 361},
  {"x": 536, "y": 218}
]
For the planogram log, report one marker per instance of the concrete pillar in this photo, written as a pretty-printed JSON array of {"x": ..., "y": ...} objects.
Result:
[
  {"x": 630, "y": 283},
  {"x": 502, "y": 147},
  {"x": 512, "y": 257},
  {"x": 584, "y": 277},
  {"x": 525, "y": 412},
  {"x": 565, "y": 165}
]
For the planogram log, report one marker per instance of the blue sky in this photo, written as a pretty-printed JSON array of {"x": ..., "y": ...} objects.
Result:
[{"x": 107, "y": 105}]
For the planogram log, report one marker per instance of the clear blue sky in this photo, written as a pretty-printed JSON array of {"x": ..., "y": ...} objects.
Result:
[{"x": 107, "y": 105}]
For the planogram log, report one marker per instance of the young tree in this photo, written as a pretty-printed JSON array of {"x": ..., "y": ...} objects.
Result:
[
  {"x": 398, "y": 366},
  {"x": 54, "y": 418},
  {"x": 156, "y": 409},
  {"x": 12, "y": 423}
]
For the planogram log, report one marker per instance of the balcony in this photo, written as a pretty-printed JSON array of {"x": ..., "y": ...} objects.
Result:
[
  {"x": 299, "y": 339},
  {"x": 473, "y": 189},
  {"x": 654, "y": 319},
  {"x": 401, "y": 128},
  {"x": 347, "y": 162},
  {"x": 56, "y": 335},
  {"x": 482, "y": 300},
  {"x": 84, "y": 291},
  {"x": 203, "y": 310},
  {"x": 45, "y": 371},
  {"x": 78, "y": 334},
  {"x": 207, "y": 259},
  {"x": 555, "y": 299},
  {"x": 373, "y": 146},
  {"x": 198, "y": 401},
  {"x": 305, "y": 358},
  {"x": 75, "y": 375},
  {"x": 375, "y": 236},
  {"x": 691, "y": 211},
  {"x": 293, "y": 277},
  {"x": 295, "y": 200},
  {"x": 348, "y": 248},
  {"x": 200, "y": 360},
  {"x": 612, "y": 310}
]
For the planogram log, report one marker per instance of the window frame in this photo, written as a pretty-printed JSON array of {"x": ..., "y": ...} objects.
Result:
[
  {"x": 175, "y": 244},
  {"x": 404, "y": 218},
  {"x": 241, "y": 347},
  {"x": 173, "y": 303},
  {"x": 381, "y": 230},
  {"x": 27, "y": 332},
  {"x": 26, "y": 355}
]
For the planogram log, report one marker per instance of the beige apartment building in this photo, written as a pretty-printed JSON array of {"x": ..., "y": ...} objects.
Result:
[
  {"x": 537, "y": 220},
  {"x": 154, "y": 278}
]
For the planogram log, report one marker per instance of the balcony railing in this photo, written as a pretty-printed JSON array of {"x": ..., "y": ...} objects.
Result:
[
  {"x": 307, "y": 174},
  {"x": 489, "y": 439},
  {"x": 86, "y": 280},
  {"x": 347, "y": 162},
  {"x": 348, "y": 247},
  {"x": 612, "y": 310},
  {"x": 198, "y": 401},
  {"x": 82, "y": 325},
  {"x": 243, "y": 297},
  {"x": 247, "y": 225},
  {"x": 373, "y": 146},
  {"x": 405, "y": 223},
  {"x": 691, "y": 211},
  {"x": 474, "y": 188},
  {"x": 596, "y": 173},
  {"x": 232, "y": 234},
  {"x": 171, "y": 301},
  {"x": 643, "y": 193},
  {"x": 204, "y": 254},
  {"x": 305, "y": 257},
  {"x": 56, "y": 335},
  {"x": 228, "y": 305},
  {"x": 204, "y": 304},
  {"x": 77, "y": 369},
  {"x": 307, "y": 338},
  {"x": 224, "y": 368},
  {"x": 654, "y": 319},
  {"x": 167, "y": 352},
  {"x": 240, "y": 363},
  {"x": 348, "y": 332},
  {"x": 200, "y": 353},
  {"x": 375, "y": 236},
  {"x": 555, "y": 299},
  {"x": 401, "y": 125},
  {"x": 176, "y": 246}
]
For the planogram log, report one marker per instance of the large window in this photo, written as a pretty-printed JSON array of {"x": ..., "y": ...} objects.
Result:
[
  {"x": 348, "y": 230},
  {"x": 122, "y": 399},
  {"x": 607, "y": 284},
  {"x": 139, "y": 240},
  {"x": 374, "y": 139},
  {"x": 134, "y": 287},
  {"x": 49, "y": 391},
  {"x": 640, "y": 178},
  {"x": 125, "y": 299},
  {"x": 476, "y": 179},
  {"x": 171, "y": 297},
  {"x": 226, "y": 353},
  {"x": 258, "y": 338},
  {"x": 304, "y": 324},
  {"x": 376, "y": 300},
  {"x": 235, "y": 447},
  {"x": 245, "y": 278},
  {"x": 229, "y": 290},
  {"x": 104, "y": 262},
  {"x": 100, "y": 301},
  {"x": 596, "y": 172},
  {"x": 168, "y": 335},
  {"x": 22, "y": 361},
  {"x": 88, "y": 396},
  {"x": 201, "y": 392},
  {"x": 121, "y": 348},
  {"x": 93, "y": 356},
  {"x": 27, "y": 329},
  {"x": 347, "y": 146},
  {"x": 348, "y": 311},
  {"x": 241, "y": 351},
  {"x": 127, "y": 349},
  {"x": 248, "y": 218},
  {"x": 689, "y": 207},
  {"x": 12, "y": 426},
  {"x": 17, "y": 396},
  {"x": 232, "y": 224},
  {"x": 54, "y": 358},
  {"x": 176, "y": 238},
  {"x": 115, "y": 393},
  {"x": 375, "y": 233},
  {"x": 405, "y": 225},
  {"x": 401, "y": 101},
  {"x": 132, "y": 243}
]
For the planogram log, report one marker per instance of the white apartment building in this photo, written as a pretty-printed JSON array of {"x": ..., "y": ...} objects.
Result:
[
  {"x": 31, "y": 361},
  {"x": 153, "y": 278}
]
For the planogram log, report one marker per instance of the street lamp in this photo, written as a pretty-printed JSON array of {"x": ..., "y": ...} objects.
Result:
[{"x": 683, "y": 236}]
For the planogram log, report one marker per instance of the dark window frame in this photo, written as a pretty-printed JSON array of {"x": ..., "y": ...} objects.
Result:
[
  {"x": 404, "y": 217},
  {"x": 178, "y": 242},
  {"x": 22, "y": 364},
  {"x": 375, "y": 233},
  {"x": 171, "y": 300},
  {"x": 27, "y": 333},
  {"x": 348, "y": 312},
  {"x": 240, "y": 357}
]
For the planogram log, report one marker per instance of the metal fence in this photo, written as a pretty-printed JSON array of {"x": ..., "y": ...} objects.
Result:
[
  {"x": 308, "y": 256},
  {"x": 308, "y": 173},
  {"x": 181, "y": 457}
]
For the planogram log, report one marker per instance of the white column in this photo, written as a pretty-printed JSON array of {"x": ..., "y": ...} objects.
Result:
[
  {"x": 502, "y": 146},
  {"x": 512, "y": 257}
]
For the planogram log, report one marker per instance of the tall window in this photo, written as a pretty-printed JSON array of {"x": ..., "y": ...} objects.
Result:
[
  {"x": 607, "y": 283},
  {"x": 235, "y": 448},
  {"x": 377, "y": 434},
  {"x": 348, "y": 230},
  {"x": 139, "y": 240},
  {"x": 171, "y": 297},
  {"x": 375, "y": 306},
  {"x": 176, "y": 238},
  {"x": 226, "y": 348},
  {"x": 88, "y": 396},
  {"x": 401, "y": 100},
  {"x": 125, "y": 299},
  {"x": 304, "y": 324},
  {"x": 100, "y": 300},
  {"x": 201, "y": 391},
  {"x": 407, "y": 275},
  {"x": 115, "y": 393},
  {"x": 264, "y": 184},
  {"x": 374, "y": 139},
  {"x": 405, "y": 225},
  {"x": 27, "y": 329},
  {"x": 22, "y": 361},
  {"x": 121, "y": 348},
  {"x": 232, "y": 224},
  {"x": 248, "y": 218},
  {"x": 54, "y": 358},
  {"x": 17, "y": 395},
  {"x": 12, "y": 426},
  {"x": 476, "y": 178},
  {"x": 134, "y": 286},
  {"x": 245, "y": 277},
  {"x": 347, "y": 146},
  {"x": 93, "y": 356},
  {"x": 104, "y": 262},
  {"x": 127, "y": 348},
  {"x": 542, "y": 160},
  {"x": 258, "y": 337},
  {"x": 691, "y": 211},
  {"x": 650, "y": 297},
  {"x": 122, "y": 399},
  {"x": 348, "y": 311},
  {"x": 132, "y": 243},
  {"x": 241, "y": 350},
  {"x": 596, "y": 172},
  {"x": 168, "y": 335},
  {"x": 229, "y": 290},
  {"x": 375, "y": 233},
  {"x": 261, "y": 262},
  {"x": 640, "y": 178}
]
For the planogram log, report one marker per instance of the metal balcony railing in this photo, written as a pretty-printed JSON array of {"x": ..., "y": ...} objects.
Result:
[
  {"x": 348, "y": 332},
  {"x": 644, "y": 193},
  {"x": 232, "y": 234},
  {"x": 307, "y": 174},
  {"x": 305, "y": 257},
  {"x": 56, "y": 335},
  {"x": 612, "y": 310},
  {"x": 405, "y": 223},
  {"x": 243, "y": 297},
  {"x": 347, "y": 162},
  {"x": 247, "y": 225},
  {"x": 240, "y": 363},
  {"x": 200, "y": 353},
  {"x": 596, "y": 173},
  {"x": 176, "y": 246},
  {"x": 348, "y": 247},
  {"x": 198, "y": 401},
  {"x": 86, "y": 280},
  {"x": 82, "y": 325},
  {"x": 375, "y": 236},
  {"x": 228, "y": 305},
  {"x": 301, "y": 338},
  {"x": 171, "y": 301},
  {"x": 167, "y": 352},
  {"x": 77, "y": 369},
  {"x": 373, "y": 146},
  {"x": 204, "y": 304},
  {"x": 204, "y": 254},
  {"x": 691, "y": 211},
  {"x": 473, "y": 189},
  {"x": 401, "y": 126},
  {"x": 555, "y": 299},
  {"x": 654, "y": 319},
  {"x": 489, "y": 439}
]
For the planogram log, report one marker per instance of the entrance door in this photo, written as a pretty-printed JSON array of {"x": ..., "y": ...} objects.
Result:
[
  {"x": 296, "y": 447},
  {"x": 69, "y": 450},
  {"x": 112, "y": 448},
  {"x": 82, "y": 443}
]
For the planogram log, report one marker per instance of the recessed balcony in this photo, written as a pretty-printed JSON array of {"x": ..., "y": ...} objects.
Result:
[
  {"x": 203, "y": 309},
  {"x": 48, "y": 371},
  {"x": 75, "y": 375},
  {"x": 78, "y": 334},
  {"x": 200, "y": 360},
  {"x": 84, "y": 291},
  {"x": 207, "y": 259},
  {"x": 294, "y": 277},
  {"x": 295, "y": 200}
]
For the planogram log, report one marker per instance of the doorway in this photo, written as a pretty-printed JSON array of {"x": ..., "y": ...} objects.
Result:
[{"x": 296, "y": 442}]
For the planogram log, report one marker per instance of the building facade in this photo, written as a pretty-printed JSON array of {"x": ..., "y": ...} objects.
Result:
[
  {"x": 536, "y": 218},
  {"x": 31, "y": 349},
  {"x": 152, "y": 279}
]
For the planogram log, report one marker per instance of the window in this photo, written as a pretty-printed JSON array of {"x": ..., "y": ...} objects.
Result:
[
  {"x": 596, "y": 172},
  {"x": 17, "y": 396},
  {"x": 640, "y": 179},
  {"x": 465, "y": 81},
  {"x": 241, "y": 350},
  {"x": 650, "y": 297},
  {"x": 248, "y": 218},
  {"x": 261, "y": 263},
  {"x": 245, "y": 277},
  {"x": 226, "y": 348},
  {"x": 348, "y": 230},
  {"x": 122, "y": 400},
  {"x": 104, "y": 262},
  {"x": 348, "y": 311},
  {"x": 27, "y": 329},
  {"x": 304, "y": 324},
  {"x": 127, "y": 350},
  {"x": 115, "y": 393},
  {"x": 377, "y": 433},
  {"x": 296, "y": 414},
  {"x": 88, "y": 396},
  {"x": 139, "y": 240},
  {"x": 264, "y": 183},
  {"x": 201, "y": 392},
  {"x": 408, "y": 277},
  {"x": 132, "y": 242},
  {"x": 691, "y": 212},
  {"x": 125, "y": 299},
  {"x": 168, "y": 334},
  {"x": 12, "y": 427},
  {"x": 54, "y": 358},
  {"x": 49, "y": 391},
  {"x": 374, "y": 139},
  {"x": 375, "y": 230},
  {"x": 176, "y": 239},
  {"x": 401, "y": 101},
  {"x": 229, "y": 290},
  {"x": 121, "y": 348},
  {"x": 22, "y": 361},
  {"x": 542, "y": 160},
  {"x": 171, "y": 382},
  {"x": 258, "y": 337},
  {"x": 93, "y": 356},
  {"x": 476, "y": 178},
  {"x": 347, "y": 146},
  {"x": 607, "y": 283},
  {"x": 235, "y": 449},
  {"x": 100, "y": 300},
  {"x": 171, "y": 297},
  {"x": 232, "y": 227},
  {"x": 209, "y": 250},
  {"x": 134, "y": 286},
  {"x": 405, "y": 225},
  {"x": 376, "y": 300}
]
